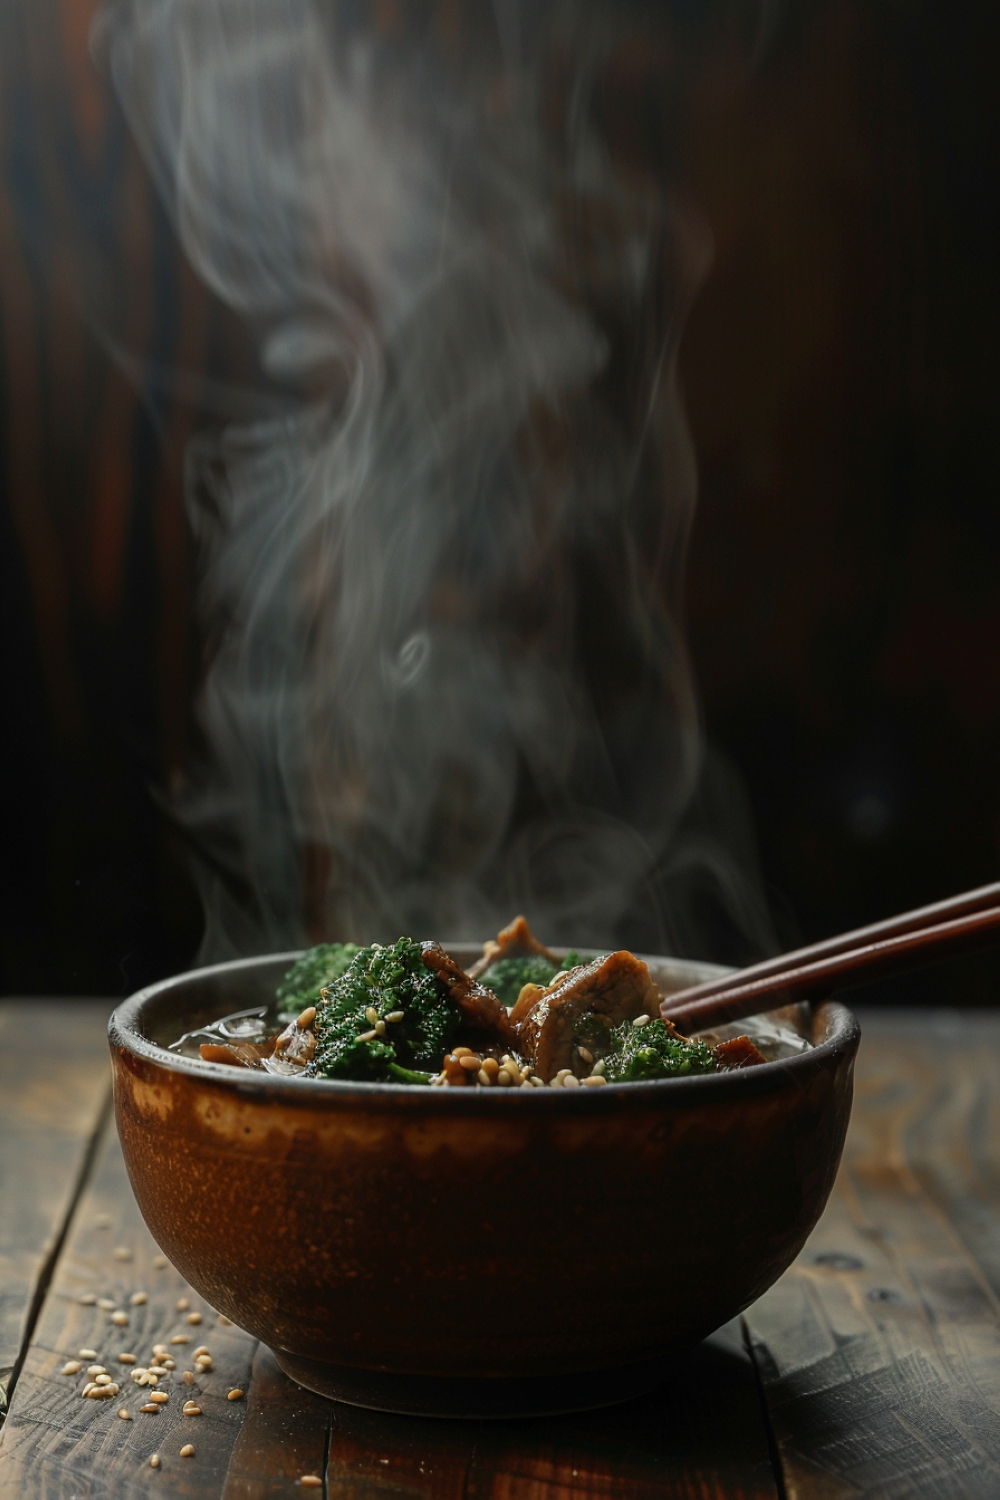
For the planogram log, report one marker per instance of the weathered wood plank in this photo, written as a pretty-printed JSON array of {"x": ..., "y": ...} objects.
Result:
[
  {"x": 286, "y": 1434},
  {"x": 58, "y": 1445},
  {"x": 953, "y": 1143},
  {"x": 54, "y": 1082},
  {"x": 880, "y": 1349}
]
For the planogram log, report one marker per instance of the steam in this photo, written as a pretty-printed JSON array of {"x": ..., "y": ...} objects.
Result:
[{"x": 447, "y": 680}]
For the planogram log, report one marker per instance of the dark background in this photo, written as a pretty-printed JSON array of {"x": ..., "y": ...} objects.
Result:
[{"x": 840, "y": 368}]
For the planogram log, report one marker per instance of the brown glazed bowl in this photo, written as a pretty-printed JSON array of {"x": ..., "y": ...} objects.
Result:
[{"x": 471, "y": 1252}]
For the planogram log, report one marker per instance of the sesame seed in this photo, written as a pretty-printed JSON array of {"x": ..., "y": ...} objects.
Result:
[
  {"x": 160, "y": 1397},
  {"x": 203, "y": 1364},
  {"x": 88, "y": 1388},
  {"x": 596, "y": 1080},
  {"x": 150, "y": 1406},
  {"x": 159, "y": 1348},
  {"x": 461, "y": 1052},
  {"x": 307, "y": 1017},
  {"x": 188, "y": 1377},
  {"x": 503, "y": 1078},
  {"x": 71, "y": 1367},
  {"x": 194, "y": 1318},
  {"x": 121, "y": 1318},
  {"x": 587, "y": 1056},
  {"x": 484, "y": 1078},
  {"x": 191, "y": 1410},
  {"x": 102, "y": 1379},
  {"x": 471, "y": 1063},
  {"x": 101, "y": 1392},
  {"x": 187, "y": 1451},
  {"x": 491, "y": 1066},
  {"x": 122, "y": 1252},
  {"x": 182, "y": 1304},
  {"x": 511, "y": 1073},
  {"x": 88, "y": 1299},
  {"x": 311, "y": 1481},
  {"x": 235, "y": 1395},
  {"x": 380, "y": 1028},
  {"x": 138, "y": 1298},
  {"x": 126, "y": 1359},
  {"x": 169, "y": 1364},
  {"x": 642, "y": 1020},
  {"x": 202, "y": 1349},
  {"x": 367, "y": 1036},
  {"x": 224, "y": 1322},
  {"x": 87, "y": 1353},
  {"x": 106, "y": 1303},
  {"x": 125, "y": 1414},
  {"x": 154, "y": 1460},
  {"x": 395, "y": 1015},
  {"x": 97, "y": 1370},
  {"x": 181, "y": 1338},
  {"x": 371, "y": 1015},
  {"x": 539, "y": 1083},
  {"x": 598, "y": 1069},
  {"x": 159, "y": 1262},
  {"x": 570, "y": 1082}
]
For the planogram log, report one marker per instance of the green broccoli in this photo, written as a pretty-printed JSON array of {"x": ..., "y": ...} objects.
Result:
[
  {"x": 508, "y": 976},
  {"x": 317, "y": 968},
  {"x": 355, "y": 1036},
  {"x": 653, "y": 1051}
]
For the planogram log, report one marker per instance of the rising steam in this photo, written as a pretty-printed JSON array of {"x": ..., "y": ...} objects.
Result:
[{"x": 448, "y": 680}]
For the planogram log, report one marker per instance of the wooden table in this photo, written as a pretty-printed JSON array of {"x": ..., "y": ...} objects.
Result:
[{"x": 872, "y": 1368}]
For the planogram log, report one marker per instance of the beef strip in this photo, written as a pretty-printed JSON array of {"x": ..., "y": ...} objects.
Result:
[
  {"x": 515, "y": 941},
  {"x": 481, "y": 1011},
  {"x": 740, "y": 1052},
  {"x": 578, "y": 1009}
]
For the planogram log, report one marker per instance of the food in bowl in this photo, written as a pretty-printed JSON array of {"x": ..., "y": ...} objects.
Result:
[{"x": 520, "y": 1017}]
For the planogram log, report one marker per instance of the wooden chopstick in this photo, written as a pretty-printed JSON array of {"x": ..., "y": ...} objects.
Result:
[
  {"x": 908, "y": 921},
  {"x": 750, "y": 991}
]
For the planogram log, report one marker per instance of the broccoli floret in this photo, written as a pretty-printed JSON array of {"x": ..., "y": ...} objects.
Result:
[
  {"x": 382, "y": 981},
  {"x": 508, "y": 976},
  {"x": 652, "y": 1051},
  {"x": 309, "y": 974}
]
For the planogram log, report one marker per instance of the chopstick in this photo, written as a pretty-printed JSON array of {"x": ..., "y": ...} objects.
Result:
[{"x": 917, "y": 937}]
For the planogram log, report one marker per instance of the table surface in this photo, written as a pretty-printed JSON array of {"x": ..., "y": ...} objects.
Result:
[{"x": 871, "y": 1368}]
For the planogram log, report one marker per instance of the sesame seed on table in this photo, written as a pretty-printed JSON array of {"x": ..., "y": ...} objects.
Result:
[{"x": 871, "y": 1368}]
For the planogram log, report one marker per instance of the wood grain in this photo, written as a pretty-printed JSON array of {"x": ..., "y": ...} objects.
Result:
[
  {"x": 54, "y": 1083},
  {"x": 56, "y": 1444},
  {"x": 880, "y": 1349}
]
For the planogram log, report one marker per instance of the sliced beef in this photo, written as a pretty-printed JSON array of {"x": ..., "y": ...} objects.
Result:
[
  {"x": 515, "y": 941},
  {"x": 578, "y": 1009},
  {"x": 740, "y": 1052},
  {"x": 481, "y": 1011}
]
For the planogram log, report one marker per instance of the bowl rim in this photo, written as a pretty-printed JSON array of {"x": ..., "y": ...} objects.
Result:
[{"x": 843, "y": 1034}]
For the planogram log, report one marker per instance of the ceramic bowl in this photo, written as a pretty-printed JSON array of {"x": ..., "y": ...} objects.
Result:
[{"x": 470, "y": 1251}]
